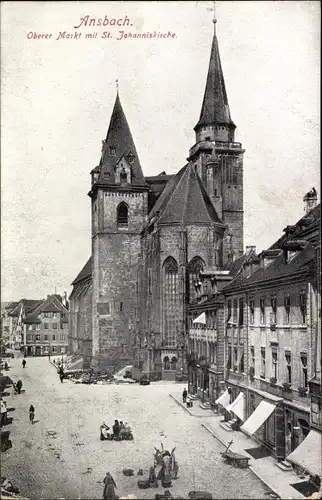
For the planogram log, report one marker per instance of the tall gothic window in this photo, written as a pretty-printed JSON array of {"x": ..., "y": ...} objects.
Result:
[
  {"x": 122, "y": 215},
  {"x": 170, "y": 302},
  {"x": 194, "y": 267}
]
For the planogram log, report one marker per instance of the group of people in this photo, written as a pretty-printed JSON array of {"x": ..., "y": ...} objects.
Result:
[
  {"x": 186, "y": 399},
  {"x": 3, "y": 413},
  {"x": 120, "y": 430}
]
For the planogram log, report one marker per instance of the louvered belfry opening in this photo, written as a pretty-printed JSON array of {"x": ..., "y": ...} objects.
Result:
[{"x": 122, "y": 215}]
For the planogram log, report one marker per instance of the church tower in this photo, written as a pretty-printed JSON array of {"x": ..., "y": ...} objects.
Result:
[
  {"x": 119, "y": 195},
  {"x": 218, "y": 158}
]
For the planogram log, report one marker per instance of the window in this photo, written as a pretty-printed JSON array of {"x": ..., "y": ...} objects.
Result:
[
  {"x": 46, "y": 337},
  {"x": 54, "y": 315},
  {"x": 263, "y": 362},
  {"x": 241, "y": 312},
  {"x": 235, "y": 358},
  {"x": 121, "y": 306},
  {"x": 62, "y": 336},
  {"x": 54, "y": 337},
  {"x": 287, "y": 309},
  {"x": 262, "y": 310},
  {"x": 123, "y": 177},
  {"x": 166, "y": 363},
  {"x": 53, "y": 349},
  {"x": 241, "y": 362},
  {"x": 170, "y": 302},
  {"x": 252, "y": 357},
  {"x": 251, "y": 311},
  {"x": 304, "y": 378},
  {"x": 46, "y": 326},
  {"x": 173, "y": 363},
  {"x": 274, "y": 309},
  {"x": 207, "y": 138},
  {"x": 274, "y": 363},
  {"x": 112, "y": 151},
  {"x": 303, "y": 300},
  {"x": 103, "y": 308},
  {"x": 229, "y": 358},
  {"x": 37, "y": 337},
  {"x": 288, "y": 360},
  {"x": 54, "y": 326},
  {"x": 34, "y": 326},
  {"x": 228, "y": 310},
  {"x": 235, "y": 304},
  {"x": 122, "y": 215},
  {"x": 194, "y": 267},
  {"x": 37, "y": 326}
]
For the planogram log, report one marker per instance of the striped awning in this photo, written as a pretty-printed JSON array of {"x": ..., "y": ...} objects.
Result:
[
  {"x": 223, "y": 400},
  {"x": 201, "y": 319}
]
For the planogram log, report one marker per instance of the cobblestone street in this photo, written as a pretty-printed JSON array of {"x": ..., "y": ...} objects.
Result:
[{"x": 61, "y": 455}]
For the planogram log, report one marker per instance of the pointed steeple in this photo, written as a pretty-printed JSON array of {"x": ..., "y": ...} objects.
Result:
[
  {"x": 119, "y": 145},
  {"x": 215, "y": 107}
]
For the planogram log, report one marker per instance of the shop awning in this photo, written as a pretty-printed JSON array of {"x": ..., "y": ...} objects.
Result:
[
  {"x": 223, "y": 400},
  {"x": 201, "y": 319},
  {"x": 237, "y": 406},
  {"x": 258, "y": 417},
  {"x": 308, "y": 453}
]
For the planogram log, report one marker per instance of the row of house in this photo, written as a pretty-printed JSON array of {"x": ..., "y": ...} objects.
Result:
[
  {"x": 37, "y": 327},
  {"x": 254, "y": 348}
]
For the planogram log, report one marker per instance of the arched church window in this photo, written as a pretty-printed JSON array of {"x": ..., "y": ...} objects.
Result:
[
  {"x": 173, "y": 363},
  {"x": 122, "y": 215},
  {"x": 218, "y": 253},
  {"x": 194, "y": 267},
  {"x": 123, "y": 177},
  {"x": 171, "y": 305},
  {"x": 166, "y": 363}
]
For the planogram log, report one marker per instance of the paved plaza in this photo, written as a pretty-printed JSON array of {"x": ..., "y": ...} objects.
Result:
[{"x": 61, "y": 455}]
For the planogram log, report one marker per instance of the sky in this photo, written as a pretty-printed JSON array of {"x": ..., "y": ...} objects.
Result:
[{"x": 57, "y": 96}]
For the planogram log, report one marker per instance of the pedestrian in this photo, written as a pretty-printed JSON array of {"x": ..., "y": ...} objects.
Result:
[
  {"x": 3, "y": 413},
  {"x": 24, "y": 363},
  {"x": 109, "y": 488},
  {"x": 116, "y": 429},
  {"x": 31, "y": 413},
  {"x": 61, "y": 375},
  {"x": 184, "y": 395},
  {"x": 19, "y": 386}
]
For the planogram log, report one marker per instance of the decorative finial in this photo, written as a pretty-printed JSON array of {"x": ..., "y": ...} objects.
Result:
[
  {"x": 214, "y": 18},
  {"x": 117, "y": 85}
]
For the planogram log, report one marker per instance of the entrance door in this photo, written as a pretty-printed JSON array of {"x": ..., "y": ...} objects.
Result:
[{"x": 38, "y": 351}]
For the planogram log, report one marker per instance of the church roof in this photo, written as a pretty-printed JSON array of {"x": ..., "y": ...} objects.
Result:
[
  {"x": 215, "y": 107},
  {"x": 119, "y": 143},
  {"x": 85, "y": 273},
  {"x": 184, "y": 200}
]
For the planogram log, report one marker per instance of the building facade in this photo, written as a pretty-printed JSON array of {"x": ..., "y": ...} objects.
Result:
[
  {"x": 45, "y": 328},
  {"x": 151, "y": 236},
  {"x": 272, "y": 313}
]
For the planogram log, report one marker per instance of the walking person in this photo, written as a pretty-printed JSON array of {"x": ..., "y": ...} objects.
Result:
[
  {"x": 3, "y": 413},
  {"x": 109, "y": 488},
  {"x": 24, "y": 363},
  {"x": 19, "y": 386},
  {"x": 31, "y": 414},
  {"x": 184, "y": 395},
  {"x": 61, "y": 375}
]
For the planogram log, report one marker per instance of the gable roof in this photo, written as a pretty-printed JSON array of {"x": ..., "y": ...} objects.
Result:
[
  {"x": 51, "y": 304},
  {"x": 307, "y": 227},
  {"x": 85, "y": 273},
  {"x": 184, "y": 200}
]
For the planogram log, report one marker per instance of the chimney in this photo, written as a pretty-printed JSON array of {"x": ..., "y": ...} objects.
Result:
[
  {"x": 250, "y": 249},
  {"x": 310, "y": 200}
]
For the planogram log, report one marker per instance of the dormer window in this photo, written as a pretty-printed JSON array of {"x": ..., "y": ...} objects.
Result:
[{"x": 112, "y": 151}]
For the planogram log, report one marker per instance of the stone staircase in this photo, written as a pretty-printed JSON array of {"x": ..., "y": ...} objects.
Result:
[
  {"x": 284, "y": 465},
  {"x": 205, "y": 406},
  {"x": 227, "y": 425}
]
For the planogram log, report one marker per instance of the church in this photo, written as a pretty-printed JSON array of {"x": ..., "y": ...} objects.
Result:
[{"x": 151, "y": 238}]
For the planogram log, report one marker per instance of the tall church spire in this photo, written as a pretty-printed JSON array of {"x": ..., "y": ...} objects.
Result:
[
  {"x": 119, "y": 145},
  {"x": 215, "y": 107}
]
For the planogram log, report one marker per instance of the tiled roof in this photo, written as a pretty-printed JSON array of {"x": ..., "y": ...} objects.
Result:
[
  {"x": 119, "y": 143},
  {"x": 277, "y": 268},
  {"x": 28, "y": 305},
  {"x": 215, "y": 107},
  {"x": 185, "y": 200},
  {"x": 309, "y": 223},
  {"x": 85, "y": 273},
  {"x": 51, "y": 304}
]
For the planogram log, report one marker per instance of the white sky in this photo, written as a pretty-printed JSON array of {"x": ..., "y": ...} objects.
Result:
[{"x": 58, "y": 95}]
